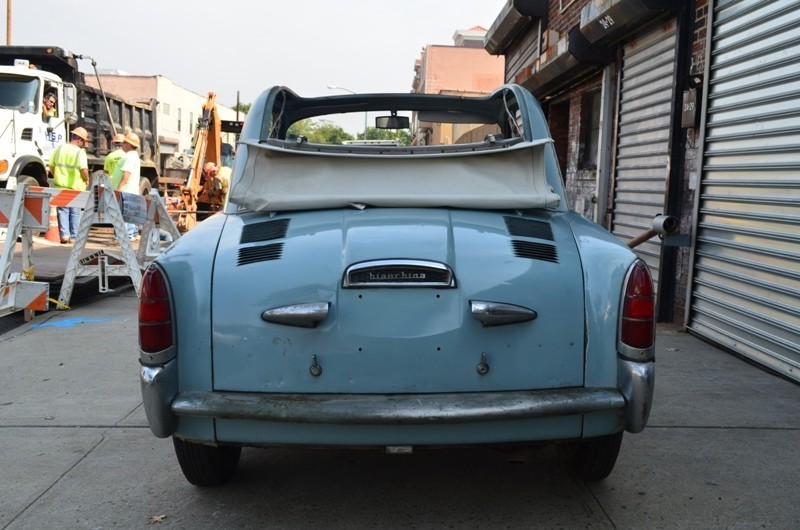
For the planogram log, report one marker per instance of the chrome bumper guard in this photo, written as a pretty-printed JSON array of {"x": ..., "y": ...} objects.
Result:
[
  {"x": 636, "y": 381},
  {"x": 159, "y": 387}
]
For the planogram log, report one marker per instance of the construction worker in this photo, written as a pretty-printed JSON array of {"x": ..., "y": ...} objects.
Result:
[
  {"x": 113, "y": 157},
  {"x": 49, "y": 106},
  {"x": 70, "y": 170},
  {"x": 127, "y": 172},
  {"x": 205, "y": 197}
]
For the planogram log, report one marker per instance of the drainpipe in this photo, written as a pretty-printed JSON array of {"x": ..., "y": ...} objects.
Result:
[{"x": 606, "y": 144}]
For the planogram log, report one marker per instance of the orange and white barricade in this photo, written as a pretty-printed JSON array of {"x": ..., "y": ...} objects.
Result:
[
  {"x": 64, "y": 197},
  {"x": 61, "y": 197},
  {"x": 115, "y": 208},
  {"x": 157, "y": 220},
  {"x": 22, "y": 212}
]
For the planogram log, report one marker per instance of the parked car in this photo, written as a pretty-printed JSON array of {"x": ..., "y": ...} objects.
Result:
[{"x": 438, "y": 294}]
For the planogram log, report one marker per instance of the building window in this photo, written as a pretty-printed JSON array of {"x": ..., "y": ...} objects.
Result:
[
  {"x": 191, "y": 123},
  {"x": 590, "y": 129},
  {"x": 179, "y": 119},
  {"x": 165, "y": 109},
  {"x": 558, "y": 122}
]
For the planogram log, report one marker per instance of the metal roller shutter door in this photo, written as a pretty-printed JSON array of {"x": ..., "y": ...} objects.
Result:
[
  {"x": 745, "y": 290},
  {"x": 647, "y": 81}
]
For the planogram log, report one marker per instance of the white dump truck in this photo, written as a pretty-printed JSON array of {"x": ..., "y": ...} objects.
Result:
[{"x": 28, "y": 137}]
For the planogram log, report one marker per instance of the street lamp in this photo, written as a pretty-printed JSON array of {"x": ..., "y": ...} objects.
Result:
[{"x": 334, "y": 87}]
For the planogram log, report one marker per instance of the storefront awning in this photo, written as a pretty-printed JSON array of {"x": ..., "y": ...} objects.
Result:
[
  {"x": 514, "y": 18},
  {"x": 608, "y": 21},
  {"x": 566, "y": 63}
]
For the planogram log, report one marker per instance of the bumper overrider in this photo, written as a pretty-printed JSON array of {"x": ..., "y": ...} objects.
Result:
[{"x": 163, "y": 404}]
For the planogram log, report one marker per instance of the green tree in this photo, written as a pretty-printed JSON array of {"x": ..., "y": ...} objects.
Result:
[
  {"x": 244, "y": 108},
  {"x": 320, "y": 132},
  {"x": 401, "y": 136}
]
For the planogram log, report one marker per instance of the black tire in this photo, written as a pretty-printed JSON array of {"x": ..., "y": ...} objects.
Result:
[
  {"x": 25, "y": 179},
  {"x": 203, "y": 465},
  {"x": 594, "y": 458},
  {"x": 144, "y": 186}
]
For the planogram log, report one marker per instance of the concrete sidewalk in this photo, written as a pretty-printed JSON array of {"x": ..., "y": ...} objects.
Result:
[{"x": 721, "y": 451}]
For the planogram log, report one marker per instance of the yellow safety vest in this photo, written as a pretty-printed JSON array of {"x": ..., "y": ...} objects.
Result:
[{"x": 67, "y": 161}]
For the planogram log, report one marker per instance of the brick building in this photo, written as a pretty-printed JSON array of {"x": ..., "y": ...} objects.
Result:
[
  {"x": 688, "y": 108},
  {"x": 464, "y": 68},
  {"x": 178, "y": 111}
]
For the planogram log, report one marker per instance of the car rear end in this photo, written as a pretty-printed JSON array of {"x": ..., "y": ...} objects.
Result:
[{"x": 409, "y": 298}]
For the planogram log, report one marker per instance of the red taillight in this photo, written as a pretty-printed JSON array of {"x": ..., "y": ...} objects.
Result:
[
  {"x": 638, "y": 309},
  {"x": 155, "y": 315}
]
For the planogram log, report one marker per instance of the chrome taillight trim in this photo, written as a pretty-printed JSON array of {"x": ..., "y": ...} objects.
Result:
[
  {"x": 163, "y": 356},
  {"x": 624, "y": 350}
]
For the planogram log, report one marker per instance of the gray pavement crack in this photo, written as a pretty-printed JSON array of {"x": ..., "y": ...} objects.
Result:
[{"x": 55, "y": 482}]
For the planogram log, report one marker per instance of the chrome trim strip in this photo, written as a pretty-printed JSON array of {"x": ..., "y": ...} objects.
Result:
[
  {"x": 300, "y": 315},
  {"x": 381, "y": 266},
  {"x": 499, "y": 314},
  {"x": 398, "y": 409}
]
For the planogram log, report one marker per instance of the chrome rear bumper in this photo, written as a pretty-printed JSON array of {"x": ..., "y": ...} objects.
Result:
[
  {"x": 397, "y": 409},
  {"x": 163, "y": 405}
]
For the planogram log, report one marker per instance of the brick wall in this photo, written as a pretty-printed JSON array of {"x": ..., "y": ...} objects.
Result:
[
  {"x": 453, "y": 68},
  {"x": 692, "y": 166},
  {"x": 563, "y": 21},
  {"x": 699, "y": 43}
]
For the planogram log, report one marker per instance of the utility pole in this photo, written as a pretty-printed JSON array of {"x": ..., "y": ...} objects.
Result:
[{"x": 8, "y": 22}]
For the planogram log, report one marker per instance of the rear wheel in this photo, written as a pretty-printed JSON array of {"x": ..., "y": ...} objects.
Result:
[
  {"x": 594, "y": 458},
  {"x": 203, "y": 465},
  {"x": 144, "y": 186}
]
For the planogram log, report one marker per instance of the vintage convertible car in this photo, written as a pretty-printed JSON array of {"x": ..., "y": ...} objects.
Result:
[{"x": 396, "y": 296}]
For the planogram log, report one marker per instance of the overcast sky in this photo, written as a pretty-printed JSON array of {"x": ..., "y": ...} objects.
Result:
[{"x": 227, "y": 46}]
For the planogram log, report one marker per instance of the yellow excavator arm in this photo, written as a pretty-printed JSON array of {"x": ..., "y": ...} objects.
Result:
[{"x": 206, "y": 186}]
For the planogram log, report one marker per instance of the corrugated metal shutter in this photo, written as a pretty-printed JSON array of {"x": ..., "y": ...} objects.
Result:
[
  {"x": 647, "y": 81},
  {"x": 746, "y": 275}
]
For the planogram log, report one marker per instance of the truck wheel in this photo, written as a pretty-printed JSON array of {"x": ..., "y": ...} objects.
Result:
[
  {"x": 594, "y": 458},
  {"x": 203, "y": 465},
  {"x": 26, "y": 179},
  {"x": 144, "y": 186}
]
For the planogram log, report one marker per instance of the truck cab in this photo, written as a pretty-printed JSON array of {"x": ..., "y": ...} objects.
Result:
[{"x": 27, "y": 137}]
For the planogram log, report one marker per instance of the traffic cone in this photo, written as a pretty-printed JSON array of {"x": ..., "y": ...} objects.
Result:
[{"x": 52, "y": 231}]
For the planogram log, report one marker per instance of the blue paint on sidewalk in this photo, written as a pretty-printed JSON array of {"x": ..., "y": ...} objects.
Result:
[{"x": 69, "y": 322}]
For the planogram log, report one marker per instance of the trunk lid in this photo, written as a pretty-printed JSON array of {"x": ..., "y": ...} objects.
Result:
[{"x": 398, "y": 324}]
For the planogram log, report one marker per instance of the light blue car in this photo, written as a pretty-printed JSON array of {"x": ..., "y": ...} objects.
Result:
[{"x": 396, "y": 296}]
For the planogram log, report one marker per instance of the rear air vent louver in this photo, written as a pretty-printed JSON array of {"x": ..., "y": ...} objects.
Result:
[
  {"x": 27, "y": 134},
  {"x": 520, "y": 227},
  {"x": 250, "y": 255},
  {"x": 531, "y": 250},
  {"x": 264, "y": 231}
]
